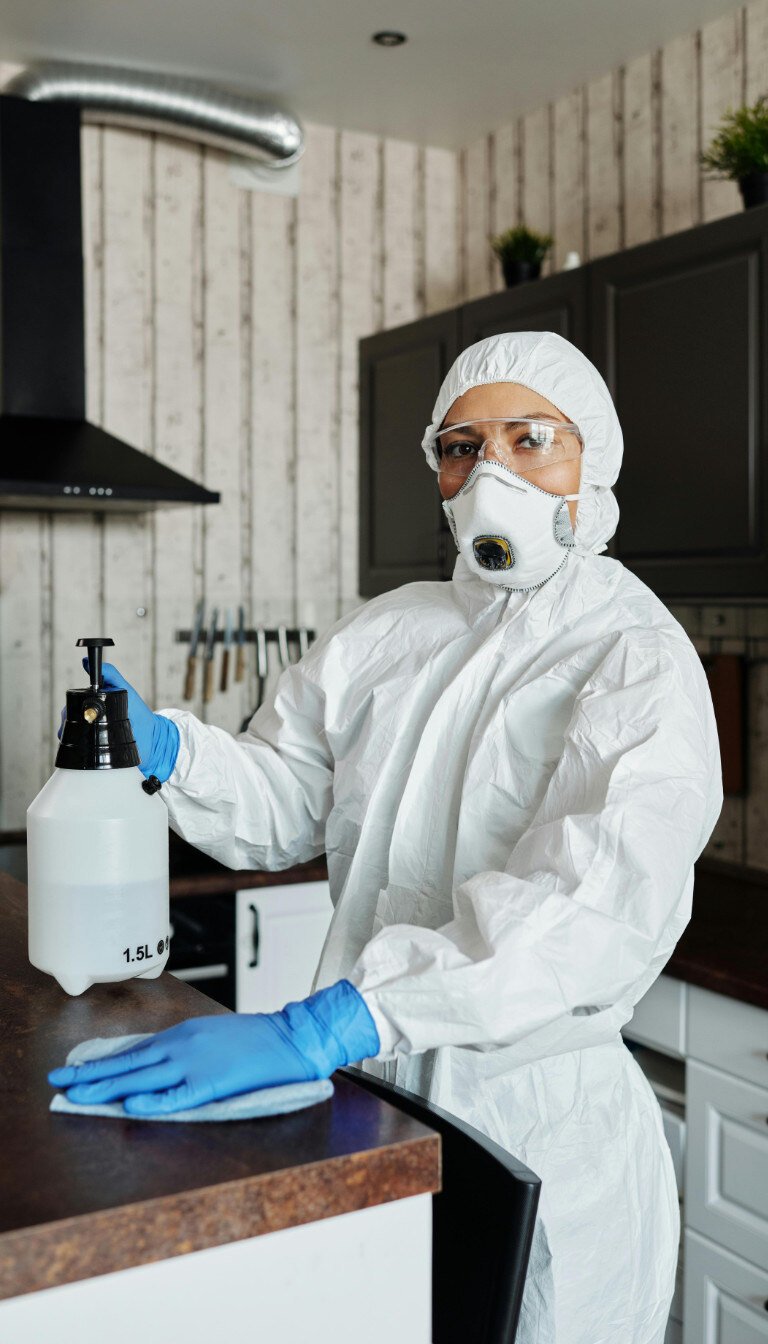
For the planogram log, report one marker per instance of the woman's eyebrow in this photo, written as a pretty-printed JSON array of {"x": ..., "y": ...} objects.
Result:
[{"x": 535, "y": 415}]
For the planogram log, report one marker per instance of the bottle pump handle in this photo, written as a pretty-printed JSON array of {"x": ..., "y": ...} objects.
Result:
[{"x": 94, "y": 647}]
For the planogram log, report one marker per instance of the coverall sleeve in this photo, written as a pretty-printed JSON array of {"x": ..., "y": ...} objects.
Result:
[
  {"x": 261, "y": 799},
  {"x": 577, "y": 914}
]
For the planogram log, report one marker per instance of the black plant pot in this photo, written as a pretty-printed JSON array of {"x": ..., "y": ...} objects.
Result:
[
  {"x": 754, "y": 189},
  {"x": 516, "y": 271}
]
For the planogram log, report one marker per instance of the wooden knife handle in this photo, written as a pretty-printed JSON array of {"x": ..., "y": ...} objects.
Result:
[
  {"x": 208, "y": 680},
  {"x": 224, "y": 670},
  {"x": 239, "y": 663},
  {"x": 189, "y": 680}
]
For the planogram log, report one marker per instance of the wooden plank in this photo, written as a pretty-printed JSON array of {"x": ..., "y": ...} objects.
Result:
[
  {"x": 680, "y": 179},
  {"x": 640, "y": 160},
  {"x": 536, "y": 141},
  {"x": 317, "y": 338},
  {"x": 506, "y": 196},
  {"x": 26, "y": 710},
  {"x": 358, "y": 258},
  {"x": 442, "y": 219},
  {"x": 604, "y": 133},
  {"x": 755, "y": 50},
  {"x": 127, "y": 397},
  {"x": 177, "y": 427},
  {"x": 77, "y": 540},
  {"x": 479, "y": 261},
  {"x": 402, "y": 232},
  {"x": 222, "y": 400},
  {"x": 568, "y": 172},
  {"x": 722, "y": 87},
  {"x": 273, "y": 401}
]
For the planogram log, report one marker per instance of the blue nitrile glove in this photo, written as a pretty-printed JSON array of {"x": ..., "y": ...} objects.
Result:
[
  {"x": 209, "y": 1058},
  {"x": 156, "y": 737}
]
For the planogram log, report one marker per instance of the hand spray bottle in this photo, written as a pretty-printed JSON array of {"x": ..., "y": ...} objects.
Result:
[{"x": 97, "y": 839}]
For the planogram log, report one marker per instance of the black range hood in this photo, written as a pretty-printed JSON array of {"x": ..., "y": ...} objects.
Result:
[{"x": 51, "y": 457}]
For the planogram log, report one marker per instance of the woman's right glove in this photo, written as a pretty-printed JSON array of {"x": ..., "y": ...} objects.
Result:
[{"x": 156, "y": 737}]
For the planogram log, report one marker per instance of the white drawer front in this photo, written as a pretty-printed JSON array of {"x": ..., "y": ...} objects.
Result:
[
  {"x": 724, "y": 1296},
  {"x": 729, "y": 1034},
  {"x": 659, "y": 1017},
  {"x": 726, "y": 1170}
]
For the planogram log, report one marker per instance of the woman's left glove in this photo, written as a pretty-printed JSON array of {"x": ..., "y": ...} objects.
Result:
[{"x": 209, "y": 1058}]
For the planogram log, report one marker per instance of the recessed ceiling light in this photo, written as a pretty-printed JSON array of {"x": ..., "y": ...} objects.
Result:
[{"x": 389, "y": 38}]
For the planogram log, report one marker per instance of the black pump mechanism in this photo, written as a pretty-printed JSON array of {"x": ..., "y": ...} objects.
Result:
[{"x": 97, "y": 733}]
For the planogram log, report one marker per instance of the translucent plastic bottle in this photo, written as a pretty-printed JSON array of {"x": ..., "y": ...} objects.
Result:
[{"x": 97, "y": 842}]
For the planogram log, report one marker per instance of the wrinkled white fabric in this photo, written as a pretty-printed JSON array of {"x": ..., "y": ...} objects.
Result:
[{"x": 511, "y": 789}]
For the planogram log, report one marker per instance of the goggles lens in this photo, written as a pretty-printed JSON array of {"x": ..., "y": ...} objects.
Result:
[{"x": 521, "y": 445}]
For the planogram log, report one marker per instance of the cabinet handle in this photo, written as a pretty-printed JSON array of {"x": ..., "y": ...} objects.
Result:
[{"x": 255, "y": 936}]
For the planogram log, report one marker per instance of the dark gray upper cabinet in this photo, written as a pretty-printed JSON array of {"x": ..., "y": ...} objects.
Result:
[
  {"x": 557, "y": 303},
  {"x": 678, "y": 330},
  {"x": 403, "y": 531}
]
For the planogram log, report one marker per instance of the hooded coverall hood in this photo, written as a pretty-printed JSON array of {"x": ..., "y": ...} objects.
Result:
[{"x": 556, "y": 369}]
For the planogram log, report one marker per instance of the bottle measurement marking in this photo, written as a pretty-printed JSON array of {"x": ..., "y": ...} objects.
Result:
[{"x": 142, "y": 952}]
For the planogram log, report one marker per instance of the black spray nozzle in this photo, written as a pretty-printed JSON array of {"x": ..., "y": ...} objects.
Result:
[{"x": 94, "y": 647}]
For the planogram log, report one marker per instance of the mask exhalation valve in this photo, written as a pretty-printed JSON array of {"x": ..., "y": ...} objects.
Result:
[{"x": 493, "y": 552}]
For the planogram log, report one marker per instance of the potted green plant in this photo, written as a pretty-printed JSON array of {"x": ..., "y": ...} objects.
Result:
[
  {"x": 739, "y": 151},
  {"x": 521, "y": 251}
]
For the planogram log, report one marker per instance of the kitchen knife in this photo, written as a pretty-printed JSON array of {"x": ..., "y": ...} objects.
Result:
[
  {"x": 262, "y": 672},
  {"x": 240, "y": 653},
  {"x": 197, "y": 630},
  {"x": 210, "y": 645},
  {"x": 225, "y": 655},
  {"x": 282, "y": 646}
]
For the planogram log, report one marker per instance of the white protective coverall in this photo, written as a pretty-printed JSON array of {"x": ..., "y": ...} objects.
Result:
[{"x": 511, "y": 789}]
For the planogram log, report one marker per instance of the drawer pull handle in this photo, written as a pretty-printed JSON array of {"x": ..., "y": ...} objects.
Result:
[{"x": 255, "y": 936}]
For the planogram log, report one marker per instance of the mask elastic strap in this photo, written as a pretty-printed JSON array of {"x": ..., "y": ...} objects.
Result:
[{"x": 572, "y": 496}]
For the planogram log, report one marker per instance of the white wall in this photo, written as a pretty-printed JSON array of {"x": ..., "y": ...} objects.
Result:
[{"x": 222, "y": 330}]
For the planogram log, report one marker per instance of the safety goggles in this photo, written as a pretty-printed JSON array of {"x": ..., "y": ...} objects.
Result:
[{"x": 521, "y": 445}]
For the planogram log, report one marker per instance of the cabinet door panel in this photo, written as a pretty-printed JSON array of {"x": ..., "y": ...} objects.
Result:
[
  {"x": 402, "y": 526},
  {"x": 557, "y": 303},
  {"x": 280, "y": 933},
  {"x": 726, "y": 1168},
  {"x": 724, "y": 1296},
  {"x": 678, "y": 331}
]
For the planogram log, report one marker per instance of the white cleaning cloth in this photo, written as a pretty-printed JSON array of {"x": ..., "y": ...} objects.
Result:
[{"x": 266, "y": 1101}]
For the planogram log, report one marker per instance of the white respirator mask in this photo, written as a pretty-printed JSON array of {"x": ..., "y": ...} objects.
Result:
[{"x": 510, "y": 532}]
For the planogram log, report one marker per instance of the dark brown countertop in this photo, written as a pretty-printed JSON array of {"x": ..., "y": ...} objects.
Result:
[
  {"x": 195, "y": 874},
  {"x": 83, "y": 1196},
  {"x": 724, "y": 946}
]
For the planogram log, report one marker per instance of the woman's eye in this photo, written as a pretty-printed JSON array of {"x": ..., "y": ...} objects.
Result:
[
  {"x": 461, "y": 448},
  {"x": 534, "y": 442}
]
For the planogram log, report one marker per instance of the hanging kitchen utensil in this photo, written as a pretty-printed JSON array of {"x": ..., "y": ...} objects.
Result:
[
  {"x": 225, "y": 655},
  {"x": 197, "y": 630},
  {"x": 262, "y": 672},
  {"x": 210, "y": 646},
  {"x": 240, "y": 651}
]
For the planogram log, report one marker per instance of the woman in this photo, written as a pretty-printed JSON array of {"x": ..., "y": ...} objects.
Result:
[{"x": 511, "y": 774}]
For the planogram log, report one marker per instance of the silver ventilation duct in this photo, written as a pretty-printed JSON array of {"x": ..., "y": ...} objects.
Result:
[{"x": 174, "y": 105}]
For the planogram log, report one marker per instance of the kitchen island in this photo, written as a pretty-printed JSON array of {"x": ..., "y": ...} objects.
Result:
[{"x": 290, "y": 1228}]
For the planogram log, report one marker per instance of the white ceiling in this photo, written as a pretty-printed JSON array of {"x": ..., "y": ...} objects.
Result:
[{"x": 468, "y": 66}]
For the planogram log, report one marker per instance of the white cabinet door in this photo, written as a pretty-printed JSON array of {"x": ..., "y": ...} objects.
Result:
[
  {"x": 726, "y": 1170},
  {"x": 725, "y": 1298},
  {"x": 659, "y": 1017},
  {"x": 729, "y": 1034},
  {"x": 280, "y": 933}
]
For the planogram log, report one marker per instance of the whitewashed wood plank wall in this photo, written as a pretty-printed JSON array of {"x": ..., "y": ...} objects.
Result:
[
  {"x": 222, "y": 321},
  {"x": 222, "y": 334}
]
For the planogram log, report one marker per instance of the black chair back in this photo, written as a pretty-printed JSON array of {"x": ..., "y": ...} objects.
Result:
[{"x": 482, "y": 1225}]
